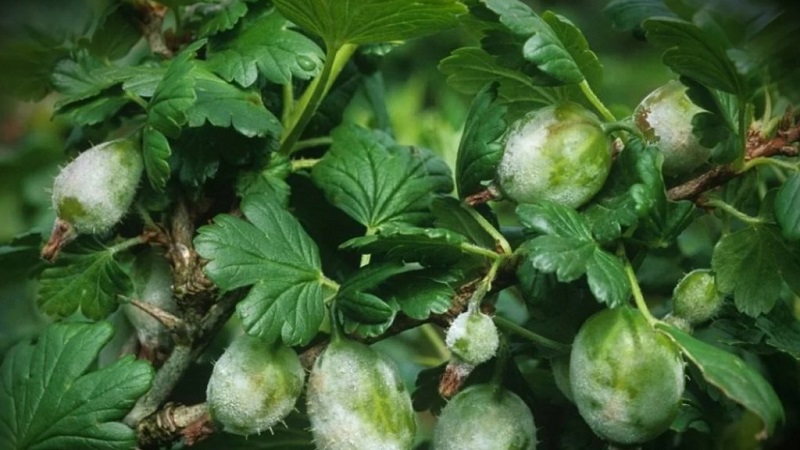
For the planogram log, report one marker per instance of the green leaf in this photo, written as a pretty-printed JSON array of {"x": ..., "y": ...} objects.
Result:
[
  {"x": 364, "y": 307},
  {"x": 424, "y": 292},
  {"x": 692, "y": 52},
  {"x": 750, "y": 264},
  {"x": 377, "y": 182},
  {"x": 117, "y": 33},
  {"x": 226, "y": 16},
  {"x": 270, "y": 182},
  {"x": 576, "y": 44},
  {"x": 91, "y": 281},
  {"x": 224, "y": 105},
  {"x": 732, "y": 376},
  {"x": 481, "y": 146},
  {"x": 371, "y": 276},
  {"x": 635, "y": 194},
  {"x": 470, "y": 69},
  {"x": 554, "y": 219},
  {"x": 543, "y": 46},
  {"x": 264, "y": 44},
  {"x": 274, "y": 254},
  {"x": 718, "y": 127},
  {"x": 411, "y": 244},
  {"x": 21, "y": 256},
  {"x": 627, "y": 15},
  {"x": 371, "y": 21},
  {"x": 787, "y": 208},
  {"x": 456, "y": 216},
  {"x": 568, "y": 249},
  {"x": 174, "y": 95},
  {"x": 52, "y": 401},
  {"x": 606, "y": 276},
  {"x": 782, "y": 330},
  {"x": 156, "y": 152}
]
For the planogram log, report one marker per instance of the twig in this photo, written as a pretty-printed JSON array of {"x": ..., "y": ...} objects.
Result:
[
  {"x": 181, "y": 358},
  {"x": 170, "y": 321},
  {"x": 783, "y": 144},
  {"x": 174, "y": 421},
  {"x": 151, "y": 21}
]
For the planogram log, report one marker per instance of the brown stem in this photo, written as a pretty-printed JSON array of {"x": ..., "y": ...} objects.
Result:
[
  {"x": 170, "y": 321},
  {"x": 783, "y": 144},
  {"x": 174, "y": 421},
  {"x": 151, "y": 21},
  {"x": 198, "y": 337},
  {"x": 63, "y": 232}
]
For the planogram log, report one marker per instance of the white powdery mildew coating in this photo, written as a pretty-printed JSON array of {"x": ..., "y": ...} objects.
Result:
[
  {"x": 668, "y": 111},
  {"x": 557, "y": 153},
  {"x": 357, "y": 401},
  {"x": 626, "y": 382},
  {"x": 519, "y": 162},
  {"x": 253, "y": 386},
  {"x": 485, "y": 417},
  {"x": 103, "y": 181},
  {"x": 696, "y": 298},
  {"x": 473, "y": 337}
]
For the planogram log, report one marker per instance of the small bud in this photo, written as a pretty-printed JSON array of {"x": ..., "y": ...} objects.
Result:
[
  {"x": 472, "y": 337},
  {"x": 696, "y": 298}
]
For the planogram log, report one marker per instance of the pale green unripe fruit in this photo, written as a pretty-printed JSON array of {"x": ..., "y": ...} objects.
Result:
[
  {"x": 472, "y": 337},
  {"x": 94, "y": 191},
  {"x": 665, "y": 119},
  {"x": 485, "y": 417},
  {"x": 152, "y": 282},
  {"x": 557, "y": 153},
  {"x": 696, "y": 298},
  {"x": 357, "y": 401},
  {"x": 254, "y": 385},
  {"x": 627, "y": 379}
]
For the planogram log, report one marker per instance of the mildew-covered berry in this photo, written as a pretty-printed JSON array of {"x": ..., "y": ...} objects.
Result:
[
  {"x": 254, "y": 385},
  {"x": 357, "y": 401},
  {"x": 558, "y": 153}
]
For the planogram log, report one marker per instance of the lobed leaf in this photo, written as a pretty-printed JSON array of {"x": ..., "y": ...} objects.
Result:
[
  {"x": 375, "y": 181},
  {"x": 732, "y": 376},
  {"x": 371, "y": 21},
  {"x": 421, "y": 293},
  {"x": 226, "y": 105},
  {"x": 52, "y": 400},
  {"x": 694, "y": 53},
  {"x": 568, "y": 249},
  {"x": 627, "y": 15},
  {"x": 272, "y": 253},
  {"x": 156, "y": 152},
  {"x": 751, "y": 264},
  {"x": 90, "y": 281},
  {"x": 481, "y": 148},
  {"x": 577, "y": 46},
  {"x": 225, "y": 16},
  {"x": 456, "y": 216},
  {"x": 364, "y": 307},
  {"x": 174, "y": 95},
  {"x": 264, "y": 44},
  {"x": 543, "y": 46}
]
